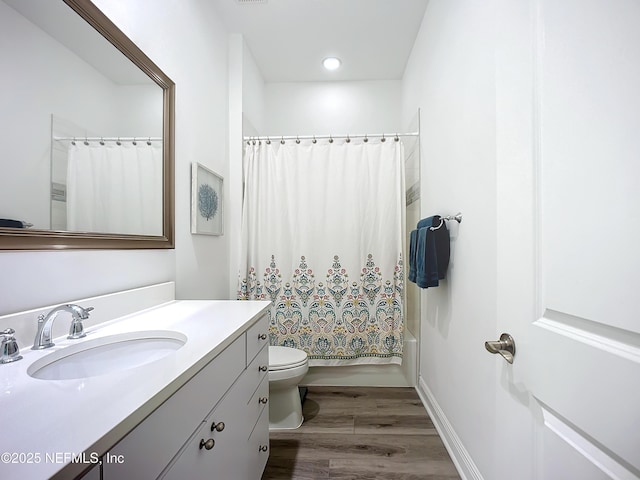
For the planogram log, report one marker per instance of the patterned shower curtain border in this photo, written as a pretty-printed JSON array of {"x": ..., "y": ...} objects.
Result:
[{"x": 337, "y": 323}]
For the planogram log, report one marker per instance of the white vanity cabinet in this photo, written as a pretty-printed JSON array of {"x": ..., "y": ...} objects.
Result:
[
  {"x": 213, "y": 427},
  {"x": 229, "y": 453}
]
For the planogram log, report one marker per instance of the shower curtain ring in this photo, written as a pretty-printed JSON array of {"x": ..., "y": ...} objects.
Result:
[
  {"x": 297, "y": 139},
  {"x": 86, "y": 141},
  {"x": 282, "y": 140},
  {"x": 118, "y": 142},
  {"x": 268, "y": 141},
  {"x": 73, "y": 142},
  {"x": 134, "y": 141},
  {"x": 102, "y": 141},
  {"x": 330, "y": 139},
  {"x": 149, "y": 141},
  {"x": 348, "y": 140},
  {"x": 383, "y": 139},
  {"x": 314, "y": 139},
  {"x": 366, "y": 139},
  {"x": 396, "y": 138}
]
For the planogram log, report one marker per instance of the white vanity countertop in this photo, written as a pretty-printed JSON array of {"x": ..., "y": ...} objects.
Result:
[{"x": 45, "y": 422}]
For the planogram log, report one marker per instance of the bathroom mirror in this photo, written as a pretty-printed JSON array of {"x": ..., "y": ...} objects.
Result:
[{"x": 78, "y": 92}]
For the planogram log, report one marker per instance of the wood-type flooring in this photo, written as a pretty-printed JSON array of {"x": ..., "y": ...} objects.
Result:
[{"x": 360, "y": 433}]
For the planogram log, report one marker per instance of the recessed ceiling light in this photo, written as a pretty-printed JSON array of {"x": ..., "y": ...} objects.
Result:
[{"x": 331, "y": 63}]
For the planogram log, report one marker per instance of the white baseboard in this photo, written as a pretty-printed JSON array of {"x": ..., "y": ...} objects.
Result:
[{"x": 459, "y": 455}]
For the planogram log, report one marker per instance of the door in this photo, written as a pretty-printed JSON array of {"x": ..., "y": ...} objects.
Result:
[{"x": 568, "y": 219}]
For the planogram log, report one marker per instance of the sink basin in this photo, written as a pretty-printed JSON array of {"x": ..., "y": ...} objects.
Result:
[{"x": 107, "y": 354}]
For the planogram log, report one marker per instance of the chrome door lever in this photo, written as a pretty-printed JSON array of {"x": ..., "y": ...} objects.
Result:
[{"x": 505, "y": 347}]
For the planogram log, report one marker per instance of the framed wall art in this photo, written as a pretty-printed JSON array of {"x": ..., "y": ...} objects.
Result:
[{"x": 206, "y": 201}]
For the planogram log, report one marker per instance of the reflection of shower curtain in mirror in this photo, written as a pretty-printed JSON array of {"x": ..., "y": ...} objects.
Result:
[
  {"x": 115, "y": 188},
  {"x": 322, "y": 239}
]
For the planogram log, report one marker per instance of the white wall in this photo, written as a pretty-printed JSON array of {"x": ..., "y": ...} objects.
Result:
[
  {"x": 316, "y": 108},
  {"x": 450, "y": 76},
  {"x": 253, "y": 91},
  {"x": 246, "y": 116},
  {"x": 187, "y": 41}
]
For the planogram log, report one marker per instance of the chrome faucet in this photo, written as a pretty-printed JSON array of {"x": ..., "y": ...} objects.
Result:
[
  {"x": 10, "y": 350},
  {"x": 45, "y": 324}
]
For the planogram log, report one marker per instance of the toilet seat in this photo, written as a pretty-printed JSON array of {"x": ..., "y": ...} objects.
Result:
[{"x": 285, "y": 358}]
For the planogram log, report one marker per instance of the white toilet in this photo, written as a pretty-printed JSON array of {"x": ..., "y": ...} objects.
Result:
[{"x": 287, "y": 367}]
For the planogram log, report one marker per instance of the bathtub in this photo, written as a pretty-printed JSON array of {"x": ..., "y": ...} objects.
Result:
[{"x": 404, "y": 375}]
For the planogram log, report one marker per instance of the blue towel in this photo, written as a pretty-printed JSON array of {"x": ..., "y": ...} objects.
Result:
[
  {"x": 431, "y": 253},
  {"x": 413, "y": 245},
  {"x": 427, "y": 222},
  {"x": 423, "y": 255},
  {"x": 9, "y": 223},
  {"x": 443, "y": 250},
  {"x": 421, "y": 258}
]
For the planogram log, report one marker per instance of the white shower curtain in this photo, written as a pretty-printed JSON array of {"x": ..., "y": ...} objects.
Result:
[
  {"x": 115, "y": 188},
  {"x": 322, "y": 239}
]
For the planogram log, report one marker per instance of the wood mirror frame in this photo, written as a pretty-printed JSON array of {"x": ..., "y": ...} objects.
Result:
[{"x": 32, "y": 239}]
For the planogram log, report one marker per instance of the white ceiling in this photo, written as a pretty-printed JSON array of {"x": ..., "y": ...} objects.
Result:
[{"x": 290, "y": 38}]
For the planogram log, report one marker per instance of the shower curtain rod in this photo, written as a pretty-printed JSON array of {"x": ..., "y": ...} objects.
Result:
[
  {"x": 109, "y": 139},
  {"x": 330, "y": 137}
]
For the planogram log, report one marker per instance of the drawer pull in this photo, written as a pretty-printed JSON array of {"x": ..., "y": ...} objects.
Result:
[
  {"x": 262, "y": 336},
  {"x": 263, "y": 400},
  {"x": 263, "y": 448},
  {"x": 207, "y": 444},
  {"x": 263, "y": 368},
  {"x": 218, "y": 427}
]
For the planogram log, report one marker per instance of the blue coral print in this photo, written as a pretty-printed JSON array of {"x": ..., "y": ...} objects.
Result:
[{"x": 207, "y": 201}]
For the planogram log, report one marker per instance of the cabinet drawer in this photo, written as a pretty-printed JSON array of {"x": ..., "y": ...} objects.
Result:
[
  {"x": 257, "y": 370},
  {"x": 259, "y": 401},
  {"x": 259, "y": 447},
  {"x": 156, "y": 440},
  {"x": 224, "y": 457},
  {"x": 257, "y": 337}
]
